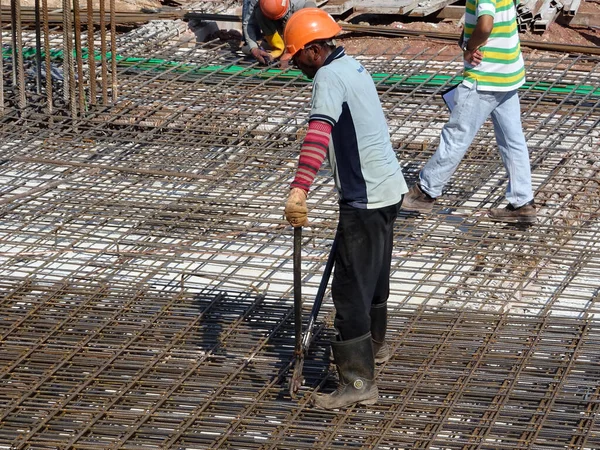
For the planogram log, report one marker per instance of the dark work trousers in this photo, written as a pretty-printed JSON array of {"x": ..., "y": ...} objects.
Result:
[{"x": 361, "y": 277}]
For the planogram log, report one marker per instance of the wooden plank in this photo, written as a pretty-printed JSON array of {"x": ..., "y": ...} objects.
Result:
[
  {"x": 338, "y": 7},
  {"x": 450, "y": 12},
  {"x": 429, "y": 7},
  {"x": 385, "y": 6}
]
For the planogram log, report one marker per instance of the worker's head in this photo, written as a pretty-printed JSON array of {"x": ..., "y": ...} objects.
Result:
[
  {"x": 308, "y": 38},
  {"x": 274, "y": 9}
]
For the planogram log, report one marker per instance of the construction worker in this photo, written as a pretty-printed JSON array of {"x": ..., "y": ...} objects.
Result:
[
  {"x": 493, "y": 71},
  {"x": 347, "y": 125},
  {"x": 268, "y": 20}
]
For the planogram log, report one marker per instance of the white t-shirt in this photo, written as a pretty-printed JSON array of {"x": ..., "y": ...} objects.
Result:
[{"x": 365, "y": 169}]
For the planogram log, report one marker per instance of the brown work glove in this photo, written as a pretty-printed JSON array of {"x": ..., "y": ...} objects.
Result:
[
  {"x": 296, "y": 212},
  {"x": 261, "y": 56}
]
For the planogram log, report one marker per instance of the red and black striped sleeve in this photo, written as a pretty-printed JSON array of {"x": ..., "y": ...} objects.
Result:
[{"x": 312, "y": 154}]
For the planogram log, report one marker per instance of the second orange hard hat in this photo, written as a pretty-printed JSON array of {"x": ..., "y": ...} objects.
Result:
[
  {"x": 308, "y": 25},
  {"x": 274, "y": 9}
]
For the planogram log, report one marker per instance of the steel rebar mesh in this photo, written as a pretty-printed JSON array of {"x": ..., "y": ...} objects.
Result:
[{"x": 146, "y": 274}]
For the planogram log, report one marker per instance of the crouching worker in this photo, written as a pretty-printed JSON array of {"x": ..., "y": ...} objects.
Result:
[
  {"x": 268, "y": 18},
  {"x": 347, "y": 125}
]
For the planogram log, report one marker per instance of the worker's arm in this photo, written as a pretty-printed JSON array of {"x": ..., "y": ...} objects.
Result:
[
  {"x": 481, "y": 33},
  {"x": 312, "y": 154},
  {"x": 261, "y": 55},
  {"x": 249, "y": 25},
  {"x": 252, "y": 32}
]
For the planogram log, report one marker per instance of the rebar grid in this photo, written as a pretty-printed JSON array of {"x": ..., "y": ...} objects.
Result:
[{"x": 146, "y": 274}]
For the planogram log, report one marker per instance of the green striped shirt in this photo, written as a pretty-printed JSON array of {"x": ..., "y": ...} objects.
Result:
[{"x": 502, "y": 67}]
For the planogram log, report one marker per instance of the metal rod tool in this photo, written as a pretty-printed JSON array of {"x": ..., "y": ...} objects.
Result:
[{"x": 303, "y": 342}]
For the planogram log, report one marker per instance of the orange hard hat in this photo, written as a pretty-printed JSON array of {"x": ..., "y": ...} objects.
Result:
[
  {"x": 274, "y": 9},
  {"x": 308, "y": 25}
]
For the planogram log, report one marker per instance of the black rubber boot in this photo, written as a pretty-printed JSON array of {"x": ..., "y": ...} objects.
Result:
[
  {"x": 356, "y": 369},
  {"x": 381, "y": 349}
]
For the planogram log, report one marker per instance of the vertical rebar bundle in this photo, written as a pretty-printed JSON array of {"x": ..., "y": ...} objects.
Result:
[
  {"x": 17, "y": 44},
  {"x": 65, "y": 69}
]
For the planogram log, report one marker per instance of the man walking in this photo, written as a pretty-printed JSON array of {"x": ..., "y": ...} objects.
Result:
[
  {"x": 347, "y": 125},
  {"x": 494, "y": 70}
]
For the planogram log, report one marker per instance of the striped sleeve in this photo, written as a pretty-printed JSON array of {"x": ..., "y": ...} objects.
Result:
[
  {"x": 486, "y": 7},
  {"x": 312, "y": 154}
]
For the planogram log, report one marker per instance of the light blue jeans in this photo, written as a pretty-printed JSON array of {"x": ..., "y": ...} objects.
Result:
[{"x": 472, "y": 109}]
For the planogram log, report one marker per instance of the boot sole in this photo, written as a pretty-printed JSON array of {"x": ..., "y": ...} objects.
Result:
[
  {"x": 382, "y": 360},
  {"x": 419, "y": 210},
  {"x": 370, "y": 401},
  {"x": 367, "y": 401},
  {"x": 527, "y": 220}
]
